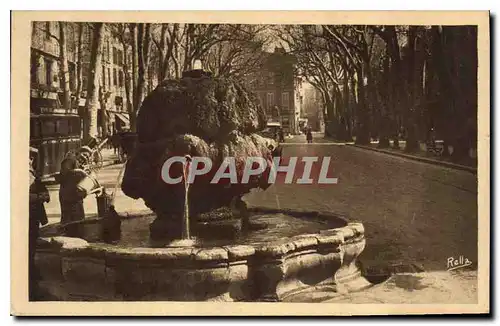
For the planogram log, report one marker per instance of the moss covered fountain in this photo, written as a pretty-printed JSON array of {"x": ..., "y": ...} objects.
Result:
[{"x": 201, "y": 244}]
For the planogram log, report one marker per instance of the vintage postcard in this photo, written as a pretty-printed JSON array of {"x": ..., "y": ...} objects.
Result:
[{"x": 250, "y": 163}]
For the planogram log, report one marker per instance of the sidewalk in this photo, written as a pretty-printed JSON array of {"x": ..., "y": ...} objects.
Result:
[
  {"x": 107, "y": 177},
  {"x": 421, "y": 156},
  {"x": 108, "y": 156},
  {"x": 318, "y": 139}
]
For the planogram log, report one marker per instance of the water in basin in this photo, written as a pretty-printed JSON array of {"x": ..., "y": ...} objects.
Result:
[{"x": 273, "y": 227}]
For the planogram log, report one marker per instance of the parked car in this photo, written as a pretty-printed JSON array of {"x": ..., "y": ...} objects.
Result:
[{"x": 273, "y": 130}]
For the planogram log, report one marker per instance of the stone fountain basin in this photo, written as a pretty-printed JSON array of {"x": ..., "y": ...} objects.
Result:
[{"x": 279, "y": 269}]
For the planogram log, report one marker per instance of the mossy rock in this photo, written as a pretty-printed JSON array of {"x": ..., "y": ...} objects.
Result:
[{"x": 210, "y": 108}]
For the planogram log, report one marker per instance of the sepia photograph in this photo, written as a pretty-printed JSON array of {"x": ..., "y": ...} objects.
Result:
[{"x": 331, "y": 160}]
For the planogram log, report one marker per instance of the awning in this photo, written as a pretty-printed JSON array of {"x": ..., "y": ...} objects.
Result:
[{"x": 123, "y": 118}]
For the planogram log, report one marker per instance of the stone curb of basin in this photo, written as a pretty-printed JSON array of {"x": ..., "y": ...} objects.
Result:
[
  {"x": 74, "y": 269},
  {"x": 420, "y": 159}
]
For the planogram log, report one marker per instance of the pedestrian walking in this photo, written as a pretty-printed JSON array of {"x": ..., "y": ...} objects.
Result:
[
  {"x": 282, "y": 135},
  {"x": 309, "y": 136},
  {"x": 38, "y": 195},
  {"x": 115, "y": 141}
]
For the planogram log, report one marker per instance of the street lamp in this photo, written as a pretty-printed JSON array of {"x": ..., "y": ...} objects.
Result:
[{"x": 197, "y": 65}]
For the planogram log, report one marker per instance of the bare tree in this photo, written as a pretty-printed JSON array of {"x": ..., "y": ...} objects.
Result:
[
  {"x": 79, "y": 75},
  {"x": 165, "y": 46},
  {"x": 91, "y": 106},
  {"x": 241, "y": 55},
  {"x": 64, "y": 68},
  {"x": 143, "y": 50},
  {"x": 125, "y": 35}
]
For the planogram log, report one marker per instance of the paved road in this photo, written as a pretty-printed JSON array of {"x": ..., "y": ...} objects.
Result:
[{"x": 413, "y": 212}]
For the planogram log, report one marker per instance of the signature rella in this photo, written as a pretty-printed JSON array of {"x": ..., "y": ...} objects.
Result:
[{"x": 307, "y": 168}]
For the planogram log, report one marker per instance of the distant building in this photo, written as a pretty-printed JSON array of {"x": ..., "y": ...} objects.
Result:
[
  {"x": 113, "y": 85},
  {"x": 279, "y": 92}
]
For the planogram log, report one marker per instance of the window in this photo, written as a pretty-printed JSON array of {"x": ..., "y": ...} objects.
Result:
[
  {"x": 115, "y": 56},
  {"x": 103, "y": 77},
  {"x": 47, "y": 31},
  {"x": 34, "y": 67},
  {"x": 74, "y": 125},
  {"x": 84, "y": 83},
  {"x": 109, "y": 76},
  {"x": 120, "y": 79},
  {"x": 118, "y": 101},
  {"x": 270, "y": 101},
  {"x": 72, "y": 76},
  {"x": 114, "y": 77},
  {"x": 48, "y": 71},
  {"x": 62, "y": 127},
  {"x": 261, "y": 81},
  {"x": 35, "y": 131},
  {"x": 48, "y": 128},
  {"x": 261, "y": 102},
  {"x": 120, "y": 57},
  {"x": 270, "y": 78},
  {"x": 285, "y": 101},
  {"x": 108, "y": 51}
]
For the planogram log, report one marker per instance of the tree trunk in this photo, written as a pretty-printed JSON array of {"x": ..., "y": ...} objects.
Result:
[
  {"x": 362, "y": 134},
  {"x": 411, "y": 104},
  {"x": 347, "y": 109},
  {"x": 135, "y": 108},
  {"x": 161, "y": 68},
  {"x": 103, "y": 100},
  {"x": 79, "y": 77},
  {"x": 92, "y": 103},
  {"x": 128, "y": 85},
  {"x": 384, "y": 122},
  {"x": 143, "y": 42},
  {"x": 462, "y": 72},
  {"x": 64, "y": 69},
  {"x": 175, "y": 58}
]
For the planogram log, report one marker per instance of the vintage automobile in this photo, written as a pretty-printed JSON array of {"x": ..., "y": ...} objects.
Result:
[{"x": 272, "y": 130}]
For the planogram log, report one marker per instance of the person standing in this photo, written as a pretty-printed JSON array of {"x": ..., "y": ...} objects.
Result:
[
  {"x": 38, "y": 195},
  {"x": 70, "y": 197}
]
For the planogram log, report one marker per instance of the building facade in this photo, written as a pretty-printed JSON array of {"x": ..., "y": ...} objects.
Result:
[
  {"x": 279, "y": 92},
  {"x": 114, "y": 114},
  {"x": 54, "y": 129}
]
